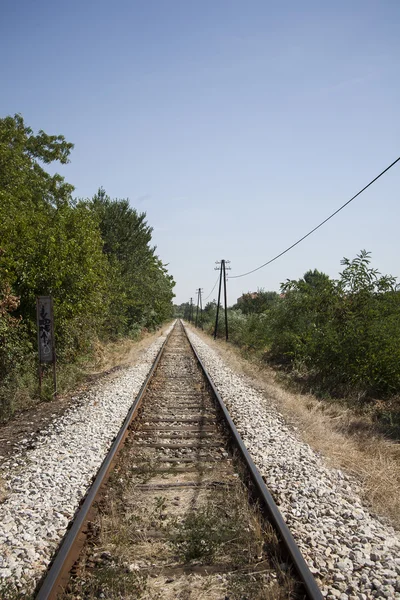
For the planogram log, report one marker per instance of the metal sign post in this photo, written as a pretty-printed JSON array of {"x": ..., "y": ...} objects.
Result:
[{"x": 46, "y": 344}]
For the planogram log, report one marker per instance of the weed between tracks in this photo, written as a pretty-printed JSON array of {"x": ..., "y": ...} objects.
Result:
[
  {"x": 217, "y": 532},
  {"x": 178, "y": 543}
]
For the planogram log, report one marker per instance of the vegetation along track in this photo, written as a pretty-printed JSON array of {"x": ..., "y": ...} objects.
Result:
[{"x": 175, "y": 520}]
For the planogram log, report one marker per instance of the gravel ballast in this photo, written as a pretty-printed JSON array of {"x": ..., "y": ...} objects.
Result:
[
  {"x": 352, "y": 554},
  {"x": 47, "y": 478}
]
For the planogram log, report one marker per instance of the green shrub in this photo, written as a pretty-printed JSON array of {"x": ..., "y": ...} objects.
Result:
[{"x": 344, "y": 333}]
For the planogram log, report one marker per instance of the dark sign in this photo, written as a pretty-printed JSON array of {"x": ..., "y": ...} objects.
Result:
[{"x": 45, "y": 323}]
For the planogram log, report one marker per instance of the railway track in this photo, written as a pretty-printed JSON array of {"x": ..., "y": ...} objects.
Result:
[{"x": 170, "y": 517}]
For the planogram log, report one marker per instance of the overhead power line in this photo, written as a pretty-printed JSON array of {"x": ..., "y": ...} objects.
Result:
[
  {"x": 216, "y": 281},
  {"x": 317, "y": 227}
]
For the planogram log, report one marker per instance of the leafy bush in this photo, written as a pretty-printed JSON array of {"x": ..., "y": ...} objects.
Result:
[
  {"x": 343, "y": 334},
  {"x": 15, "y": 350}
]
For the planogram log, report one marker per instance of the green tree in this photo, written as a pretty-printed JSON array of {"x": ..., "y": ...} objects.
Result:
[
  {"x": 256, "y": 302},
  {"x": 315, "y": 278},
  {"x": 52, "y": 245},
  {"x": 141, "y": 290},
  {"x": 180, "y": 310}
]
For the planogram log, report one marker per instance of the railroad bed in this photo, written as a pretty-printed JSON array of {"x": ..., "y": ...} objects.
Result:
[{"x": 174, "y": 518}]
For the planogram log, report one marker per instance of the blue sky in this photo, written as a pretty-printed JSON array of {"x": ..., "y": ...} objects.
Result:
[{"x": 236, "y": 126}]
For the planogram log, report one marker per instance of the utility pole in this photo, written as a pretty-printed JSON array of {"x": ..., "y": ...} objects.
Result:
[
  {"x": 191, "y": 310},
  {"x": 201, "y": 308},
  {"x": 226, "y": 307},
  {"x": 198, "y": 292},
  {"x": 219, "y": 298},
  {"x": 222, "y": 276}
]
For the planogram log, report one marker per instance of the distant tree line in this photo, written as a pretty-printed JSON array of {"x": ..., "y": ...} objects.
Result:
[
  {"x": 256, "y": 302},
  {"x": 94, "y": 257}
]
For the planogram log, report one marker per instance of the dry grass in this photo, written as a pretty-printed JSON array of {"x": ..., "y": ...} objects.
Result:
[
  {"x": 125, "y": 352},
  {"x": 348, "y": 441}
]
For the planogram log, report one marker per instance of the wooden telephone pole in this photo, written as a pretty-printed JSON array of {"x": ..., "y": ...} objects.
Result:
[
  {"x": 191, "y": 310},
  {"x": 222, "y": 276},
  {"x": 199, "y": 304}
]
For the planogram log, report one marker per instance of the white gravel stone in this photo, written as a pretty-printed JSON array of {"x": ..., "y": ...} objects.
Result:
[
  {"x": 351, "y": 552},
  {"x": 46, "y": 483}
]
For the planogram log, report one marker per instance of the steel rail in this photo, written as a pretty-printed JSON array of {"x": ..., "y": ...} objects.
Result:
[
  {"x": 304, "y": 573},
  {"x": 50, "y": 585}
]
